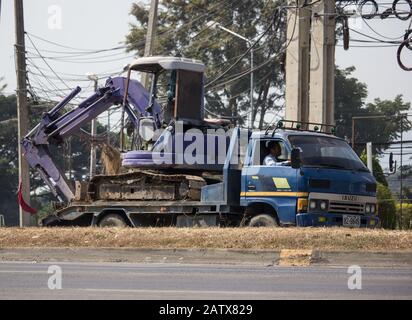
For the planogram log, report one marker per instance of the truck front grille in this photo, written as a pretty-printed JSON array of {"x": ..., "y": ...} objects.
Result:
[{"x": 346, "y": 207}]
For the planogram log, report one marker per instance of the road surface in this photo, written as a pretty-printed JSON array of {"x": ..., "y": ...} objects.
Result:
[{"x": 25, "y": 280}]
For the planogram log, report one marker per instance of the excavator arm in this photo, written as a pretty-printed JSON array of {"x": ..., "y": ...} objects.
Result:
[{"x": 56, "y": 126}]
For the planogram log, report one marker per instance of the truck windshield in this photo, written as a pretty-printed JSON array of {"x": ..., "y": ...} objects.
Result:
[{"x": 327, "y": 152}]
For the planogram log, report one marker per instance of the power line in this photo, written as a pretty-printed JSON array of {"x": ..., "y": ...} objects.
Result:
[
  {"x": 73, "y": 48},
  {"x": 51, "y": 69},
  {"x": 276, "y": 17}
]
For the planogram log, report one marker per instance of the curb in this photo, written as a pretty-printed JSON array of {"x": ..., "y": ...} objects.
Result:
[{"x": 211, "y": 256}]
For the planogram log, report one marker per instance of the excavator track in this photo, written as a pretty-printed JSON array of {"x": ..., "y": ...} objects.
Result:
[{"x": 146, "y": 185}]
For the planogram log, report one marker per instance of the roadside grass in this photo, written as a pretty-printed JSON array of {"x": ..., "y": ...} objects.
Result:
[{"x": 230, "y": 238}]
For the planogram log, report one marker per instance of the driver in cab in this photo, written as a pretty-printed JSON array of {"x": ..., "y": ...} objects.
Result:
[{"x": 275, "y": 151}]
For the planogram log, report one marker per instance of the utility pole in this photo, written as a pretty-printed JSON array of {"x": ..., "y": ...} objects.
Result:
[
  {"x": 401, "y": 177},
  {"x": 22, "y": 111},
  {"x": 322, "y": 63},
  {"x": 298, "y": 62},
  {"x": 150, "y": 36},
  {"x": 95, "y": 79}
]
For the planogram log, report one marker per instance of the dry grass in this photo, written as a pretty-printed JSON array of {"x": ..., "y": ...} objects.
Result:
[{"x": 237, "y": 238}]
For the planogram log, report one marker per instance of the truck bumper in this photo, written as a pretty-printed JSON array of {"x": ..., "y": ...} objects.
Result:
[{"x": 326, "y": 219}]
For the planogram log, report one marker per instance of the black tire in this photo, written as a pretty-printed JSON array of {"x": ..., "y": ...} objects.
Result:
[
  {"x": 112, "y": 220},
  {"x": 263, "y": 220}
]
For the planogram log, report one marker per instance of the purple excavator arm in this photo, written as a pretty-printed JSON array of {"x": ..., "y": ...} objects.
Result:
[{"x": 55, "y": 126}]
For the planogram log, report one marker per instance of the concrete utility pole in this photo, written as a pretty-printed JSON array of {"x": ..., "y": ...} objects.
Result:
[
  {"x": 322, "y": 63},
  {"x": 151, "y": 31},
  {"x": 310, "y": 62},
  {"x": 22, "y": 111},
  {"x": 297, "y": 62},
  {"x": 95, "y": 79}
]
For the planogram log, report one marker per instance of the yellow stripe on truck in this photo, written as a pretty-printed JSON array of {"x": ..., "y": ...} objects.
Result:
[{"x": 274, "y": 194}]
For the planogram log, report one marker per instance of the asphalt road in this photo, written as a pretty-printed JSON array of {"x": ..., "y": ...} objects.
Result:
[{"x": 25, "y": 280}]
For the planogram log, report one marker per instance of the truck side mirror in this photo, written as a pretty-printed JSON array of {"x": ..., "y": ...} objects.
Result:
[{"x": 296, "y": 161}]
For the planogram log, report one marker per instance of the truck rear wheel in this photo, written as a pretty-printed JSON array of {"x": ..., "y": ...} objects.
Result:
[
  {"x": 263, "y": 220},
  {"x": 112, "y": 220}
]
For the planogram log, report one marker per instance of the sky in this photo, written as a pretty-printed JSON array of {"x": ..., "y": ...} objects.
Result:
[
  {"x": 100, "y": 24},
  {"x": 85, "y": 24},
  {"x": 97, "y": 24}
]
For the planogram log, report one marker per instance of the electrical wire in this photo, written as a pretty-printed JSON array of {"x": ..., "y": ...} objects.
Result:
[
  {"x": 51, "y": 69},
  {"x": 245, "y": 53}
]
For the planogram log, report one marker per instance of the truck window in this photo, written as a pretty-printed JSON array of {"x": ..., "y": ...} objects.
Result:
[
  {"x": 261, "y": 150},
  {"x": 321, "y": 151}
]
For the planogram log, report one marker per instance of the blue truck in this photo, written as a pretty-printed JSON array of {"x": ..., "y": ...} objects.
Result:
[
  {"x": 291, "y": 174},
  {"x": 325, "y": 185}
]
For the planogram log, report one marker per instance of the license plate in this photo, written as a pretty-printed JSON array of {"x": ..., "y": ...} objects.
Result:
[{"x": 351, "y": 221}]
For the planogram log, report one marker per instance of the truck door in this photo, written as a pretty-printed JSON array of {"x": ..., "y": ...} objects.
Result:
[{"x": 274, "y": 183}]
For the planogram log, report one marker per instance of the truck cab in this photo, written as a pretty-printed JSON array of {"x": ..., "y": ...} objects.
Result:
[{"x": 317, "y": 180}]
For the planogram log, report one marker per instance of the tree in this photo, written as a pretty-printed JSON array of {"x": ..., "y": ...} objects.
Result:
[
  {"x": 183, "y": 30},
  {"x": 350, "y": 95},
  {"x": 2, "y": 86},
  {"x": 386, "y": 202},
  {"x": 387, "y": 207},
  {"x": 8, "y": 159}
]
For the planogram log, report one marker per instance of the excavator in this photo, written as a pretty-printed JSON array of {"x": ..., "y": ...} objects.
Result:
[{"x": 141, "y": 179}]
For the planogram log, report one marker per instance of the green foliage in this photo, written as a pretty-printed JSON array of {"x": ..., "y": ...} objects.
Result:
[
  {"x": 387, "y": 204},
  {"x": 377, "y": 169},
  {"x": 350, "y": 95},
  {"x": 183, "y": 31},
  {"x": 387, "y": 207},
  {"x": 2, "y": 86},
  {"x": 404, "y": 217},
  {"x": 8, "y": 159}
]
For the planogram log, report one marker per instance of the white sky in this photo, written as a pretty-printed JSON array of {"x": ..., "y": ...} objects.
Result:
[{"x": 99, "y": 24}]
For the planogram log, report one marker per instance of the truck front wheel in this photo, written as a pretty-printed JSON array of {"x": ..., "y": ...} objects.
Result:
[
  {"x": 263, "y": 220},
  {"x": 112, "y": 220}
]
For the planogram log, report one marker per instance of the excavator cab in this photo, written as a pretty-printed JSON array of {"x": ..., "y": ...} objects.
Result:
[{"x": 176, "y": 84}]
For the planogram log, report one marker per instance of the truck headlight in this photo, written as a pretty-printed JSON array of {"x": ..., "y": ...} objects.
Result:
[
  {"x": 370, "y": 208},
  {"x": 312, "y": 204},
  {"x": 323, "y": 205}
]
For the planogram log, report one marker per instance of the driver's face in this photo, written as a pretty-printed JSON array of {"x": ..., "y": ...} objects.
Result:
[{"x": 275, "y": 150}]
